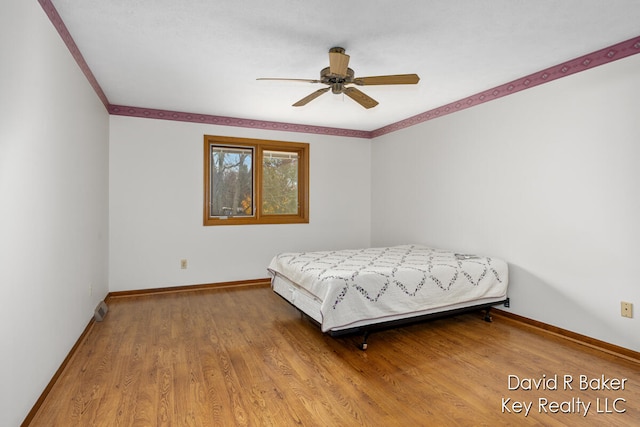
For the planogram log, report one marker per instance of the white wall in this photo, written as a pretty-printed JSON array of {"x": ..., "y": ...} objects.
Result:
[
  {"x": 53, "y": 205},
  {"x": 546, "y": 179},
  {"x": 156, "y": 203}
]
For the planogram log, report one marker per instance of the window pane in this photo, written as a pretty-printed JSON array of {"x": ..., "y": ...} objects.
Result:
[
  {"x": 255, "y": 181},
  {"x": 231, "y": 181},
  {"x": 279, "y": 183}
]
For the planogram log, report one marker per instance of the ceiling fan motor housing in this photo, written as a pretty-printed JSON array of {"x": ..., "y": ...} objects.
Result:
[{"x": 336, "y": 82}]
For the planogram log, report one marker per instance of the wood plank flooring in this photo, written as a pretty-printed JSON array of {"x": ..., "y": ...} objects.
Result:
[{"x": 244, "y": 357}]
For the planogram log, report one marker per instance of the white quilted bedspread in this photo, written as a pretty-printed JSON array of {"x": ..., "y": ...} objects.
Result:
[{"x": 374, "y": 283}]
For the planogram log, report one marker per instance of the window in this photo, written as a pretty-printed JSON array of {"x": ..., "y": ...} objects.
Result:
[{"x": 255, "y": 181}]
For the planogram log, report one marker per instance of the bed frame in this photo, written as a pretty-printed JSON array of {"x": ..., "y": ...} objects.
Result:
[
  {"x": 329, "y": 274},
  {"x": 367, "y": 330}
]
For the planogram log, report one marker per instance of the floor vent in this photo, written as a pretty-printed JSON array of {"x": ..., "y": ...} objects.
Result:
[{"x": 101, "y": 311}]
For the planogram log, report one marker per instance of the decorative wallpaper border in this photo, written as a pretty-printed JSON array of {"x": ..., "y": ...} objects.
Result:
[
  {"x": 604, "y": 56},
  {"x": 56, "y": 20},
  {"x": 594, "y": 59},
  {"x": 151, "y": 113}
]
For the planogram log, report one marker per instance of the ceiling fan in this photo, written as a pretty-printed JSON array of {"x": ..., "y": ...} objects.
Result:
[{"x": 340, "y": 78}]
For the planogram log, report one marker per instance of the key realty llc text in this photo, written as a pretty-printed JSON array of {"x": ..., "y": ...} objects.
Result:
[{"x": 573, "y": 405}]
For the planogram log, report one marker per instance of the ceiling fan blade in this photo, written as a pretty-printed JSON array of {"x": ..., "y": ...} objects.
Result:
[
  {"x": 396, "y": 79},
  {"x": 291, "y": 80},
  {"x": 311, "y": 97},
  {"x": 338, "y": 61},
  {"x": 361, "y": 98}
]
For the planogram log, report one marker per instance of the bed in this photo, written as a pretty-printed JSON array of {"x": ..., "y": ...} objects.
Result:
[{"x": 364, "y": 290}]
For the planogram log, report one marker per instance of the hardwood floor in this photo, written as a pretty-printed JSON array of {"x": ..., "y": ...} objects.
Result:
[{"x": 243, "y": 356}]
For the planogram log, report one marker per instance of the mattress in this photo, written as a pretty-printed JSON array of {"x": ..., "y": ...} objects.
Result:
[{"x": 351, "y": 288}]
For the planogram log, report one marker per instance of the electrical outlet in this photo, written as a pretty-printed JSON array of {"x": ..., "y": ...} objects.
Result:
[
  {"x": 183, "y": 264},
  {"x": 626, "y": 309}
]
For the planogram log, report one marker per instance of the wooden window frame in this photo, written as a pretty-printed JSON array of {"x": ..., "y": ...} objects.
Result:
[{"x": 259, "y": 146}]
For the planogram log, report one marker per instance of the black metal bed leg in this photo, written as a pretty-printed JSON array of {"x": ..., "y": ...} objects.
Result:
[
  {"x": 363, "y": 345},
  {"x": 487, "y": 315}
]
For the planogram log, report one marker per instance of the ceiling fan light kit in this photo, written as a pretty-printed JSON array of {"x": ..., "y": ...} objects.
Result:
[{"x": 338, "y": 77}]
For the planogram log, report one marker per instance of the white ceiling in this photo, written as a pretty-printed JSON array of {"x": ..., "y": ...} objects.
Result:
[{"x": 203, "y": 56}]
